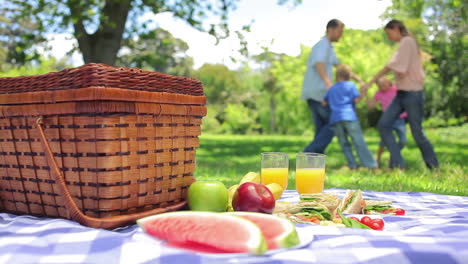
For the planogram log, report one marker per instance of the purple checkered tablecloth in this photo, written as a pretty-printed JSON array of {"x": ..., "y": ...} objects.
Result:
[{"x": 435, "y": 230}]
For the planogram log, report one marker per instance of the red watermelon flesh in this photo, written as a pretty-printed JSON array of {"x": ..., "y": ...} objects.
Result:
[
  {"x": 279, "y": 232},
  {"x": 193, "y": 246},
  {"x": 209, "y": 231}
]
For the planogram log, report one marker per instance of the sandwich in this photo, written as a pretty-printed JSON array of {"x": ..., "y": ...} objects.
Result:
[
  {"x": 313, "y": 197},
  {"x": 381, "y": 207},
  {"x": 330, "y": 200},
  {"x": 352, "y": 202},
  {"x": 307, "y": 212},
  {"x": 283, "y": 207}
]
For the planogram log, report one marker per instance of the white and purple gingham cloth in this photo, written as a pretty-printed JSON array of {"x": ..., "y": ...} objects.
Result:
[{"x": 435, "y": 230}]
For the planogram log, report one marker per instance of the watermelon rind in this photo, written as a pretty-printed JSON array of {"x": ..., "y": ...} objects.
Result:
[
  {"x": 256, "y": 245},
  {"x": 289, "y": 238}
]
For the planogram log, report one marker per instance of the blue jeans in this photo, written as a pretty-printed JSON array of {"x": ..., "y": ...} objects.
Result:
[
  {"x": 343, "y": 129},
  {"x": 413, "y": 104},
  {"x": 400, "y": 128},
  {"x": 323, "y": 132}
]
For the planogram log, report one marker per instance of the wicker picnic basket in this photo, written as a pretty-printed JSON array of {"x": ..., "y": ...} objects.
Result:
[{"x": 98, "y": 144}]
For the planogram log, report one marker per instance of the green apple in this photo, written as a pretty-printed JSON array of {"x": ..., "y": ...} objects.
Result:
[{"x": 208, "y": 196}]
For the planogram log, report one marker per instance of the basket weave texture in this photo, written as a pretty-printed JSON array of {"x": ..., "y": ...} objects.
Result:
[{"x": 124, "y": 140}]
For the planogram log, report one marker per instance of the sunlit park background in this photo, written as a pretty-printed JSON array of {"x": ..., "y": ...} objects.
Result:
[{"x": 251, "y": 57}]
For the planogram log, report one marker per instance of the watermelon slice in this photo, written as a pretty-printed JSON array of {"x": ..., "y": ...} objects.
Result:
[
  {"x": 279, "y": 232},
  {"x": 217, "y": 232}
]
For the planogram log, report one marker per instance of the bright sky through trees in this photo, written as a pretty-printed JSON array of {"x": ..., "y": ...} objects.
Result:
[{"x": 281, "y": 28}]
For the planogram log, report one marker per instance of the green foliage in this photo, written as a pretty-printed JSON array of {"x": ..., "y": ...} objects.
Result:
[
  {"x": 271, "y": 87},
  {"x": 274, "y": 92},
  {"x": 157, "y": 50},
  {"x": 219, "y": 83},
  {"x": 228, "y": 158},
  {"x": 95, "y": 22},
  {"x": 99, "y": 26},
  {"x": 293, "y": 116},
  {"x": 231, "y": 98},
  {"x": 17, "y": 34},
  {"x": 47, "y": 65},
  {"x": 435, "y": 121},
  {"x": 366, "y": 52},
  {"x": 211, "y": 124},
  {"x": 265, "y": 100},
  {"x": 239, "y": 120}
]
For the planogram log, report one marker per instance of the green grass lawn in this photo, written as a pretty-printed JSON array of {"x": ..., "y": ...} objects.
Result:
[{"x": 227, "y": 158}]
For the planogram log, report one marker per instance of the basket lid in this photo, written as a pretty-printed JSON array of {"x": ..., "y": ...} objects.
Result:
[{"x": 102, "y": 75}]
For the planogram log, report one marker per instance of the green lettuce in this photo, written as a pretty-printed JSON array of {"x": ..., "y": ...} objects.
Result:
[
  {"x": 349, "y": 222},
  {"x": 320, "y": 213},
  {"x": 350, "y": 201},
  {"x": 377, "y": 207}
]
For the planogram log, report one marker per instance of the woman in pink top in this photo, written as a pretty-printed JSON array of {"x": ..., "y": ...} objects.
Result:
[
  {"x": 384, "y": 96},
  {"x": 409, "y": 75}
]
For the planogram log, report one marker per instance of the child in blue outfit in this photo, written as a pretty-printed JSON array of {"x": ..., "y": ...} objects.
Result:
[{"x": 342, "y": 97}]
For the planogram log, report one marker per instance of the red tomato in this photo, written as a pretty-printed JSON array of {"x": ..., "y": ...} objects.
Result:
[
  {"x": 378, "y": 221},
  {"x": 388, "y": 211},
  {"x": 400, "y": 211},
  {"x": 366, "y": 220},
  {"x": 355, "y": 218},
  {"x": 376, "y": 225}
]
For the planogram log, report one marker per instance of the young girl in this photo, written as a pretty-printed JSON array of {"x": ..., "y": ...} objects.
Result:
[
  {"x": 409, "y": 74},
  {"x": 384, "y": 96}
]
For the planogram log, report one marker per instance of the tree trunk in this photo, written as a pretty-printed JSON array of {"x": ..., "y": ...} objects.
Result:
[
  {"x": 103, "y": 45},
  {"x": 272, "y": 113}
]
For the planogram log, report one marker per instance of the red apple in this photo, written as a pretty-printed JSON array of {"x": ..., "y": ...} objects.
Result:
[{"x": 253, "y": 197}]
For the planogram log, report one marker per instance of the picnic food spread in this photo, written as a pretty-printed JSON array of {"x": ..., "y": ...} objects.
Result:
[{"x": 254, "y": 203}]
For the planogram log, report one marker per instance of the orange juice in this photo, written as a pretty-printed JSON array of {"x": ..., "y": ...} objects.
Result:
[
  {"x": 310, "y": 180},
  {"x": 278, "y": 175}
]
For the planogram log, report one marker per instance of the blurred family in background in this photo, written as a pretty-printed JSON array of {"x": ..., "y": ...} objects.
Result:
[{"x": 333, "y": 105}]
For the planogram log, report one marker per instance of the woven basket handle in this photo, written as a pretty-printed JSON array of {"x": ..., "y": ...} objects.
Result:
[{"x": 75, "y": 212}]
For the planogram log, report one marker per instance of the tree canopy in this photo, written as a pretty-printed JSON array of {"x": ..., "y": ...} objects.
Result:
[
  {"x": 264, "y": 99},
  {"x": 156, "y": 50},
  {"x": 100, "y": 26}
]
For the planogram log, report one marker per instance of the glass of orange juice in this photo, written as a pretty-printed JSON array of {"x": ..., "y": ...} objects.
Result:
[
  {"x": 310, "y": 172},
  {"x": 275, "y": 168}
]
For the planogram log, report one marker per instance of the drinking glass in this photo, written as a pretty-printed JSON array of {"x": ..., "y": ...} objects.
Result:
[
  {"x": 275, "y": 168},
  {"x": 310, "y": 172}
]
